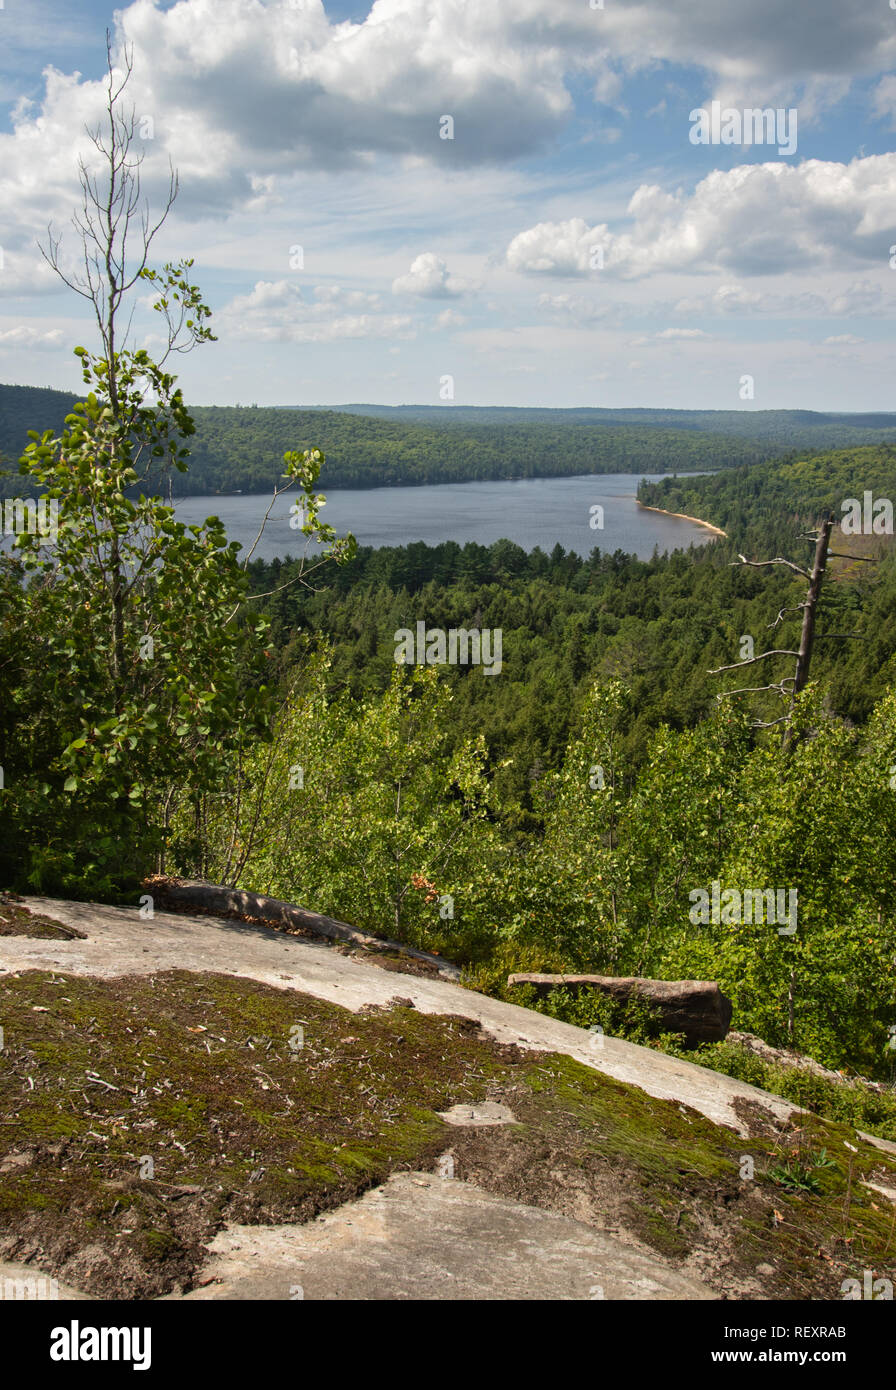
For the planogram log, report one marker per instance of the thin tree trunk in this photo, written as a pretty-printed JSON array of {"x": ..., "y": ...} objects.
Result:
[{"x": 807, "y": 636}]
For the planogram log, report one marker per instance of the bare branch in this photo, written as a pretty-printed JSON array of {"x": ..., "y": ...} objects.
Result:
[
  {"x": 783, "y": 651},
  {"x": 112, "y": 213},
  {"x": 756, "y": 689},
  {"x": 278, "y": 492},
  {"x": 794, "y": 608},
  {"x": 778, "y": 560}
]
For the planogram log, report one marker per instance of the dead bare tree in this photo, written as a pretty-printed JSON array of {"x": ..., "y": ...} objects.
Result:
[{"x": 790, "y": 686}]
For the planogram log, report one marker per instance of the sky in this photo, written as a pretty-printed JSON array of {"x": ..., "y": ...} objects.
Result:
[{"x": 478, "y": 202}]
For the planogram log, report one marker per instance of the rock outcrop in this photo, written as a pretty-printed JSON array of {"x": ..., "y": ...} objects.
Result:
[{"x": 696, "y": 1008}]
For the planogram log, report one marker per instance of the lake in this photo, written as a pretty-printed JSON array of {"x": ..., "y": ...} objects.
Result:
[{"x": 531, "y": 511}]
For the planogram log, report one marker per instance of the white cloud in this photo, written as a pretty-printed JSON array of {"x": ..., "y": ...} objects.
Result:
[
  {"x": 25, "y": 336},
  {"x": 843, "y": 340},
  {"x": 277, "y": 311},
  {"x": 861, "y": 298},
  {"x": 573, "y": 309},
  {"x": 429, "y": 278},
  {"x": 758, "y": 52},
  {"x": 884, "y": 99},
  {"x": 558, "y": 248},
  {"x": 346, "y": 299},
  {"x": 754, "y": 219},
  {"x": 243, "y": 92}
]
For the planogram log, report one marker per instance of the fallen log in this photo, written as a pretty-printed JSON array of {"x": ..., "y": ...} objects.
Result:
[
  {"x": 214, "y": 897},
  {"x": 696, "y": 1008}
]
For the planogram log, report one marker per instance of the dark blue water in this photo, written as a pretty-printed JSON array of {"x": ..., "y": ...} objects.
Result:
[{"x": 532, "y": 512}]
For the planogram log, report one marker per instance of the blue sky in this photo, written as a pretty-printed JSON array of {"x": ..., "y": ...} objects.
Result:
[{"x": 569, "y": 246}]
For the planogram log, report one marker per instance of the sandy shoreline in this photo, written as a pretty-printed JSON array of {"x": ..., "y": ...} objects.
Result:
[{"x": 717, "y": 530}]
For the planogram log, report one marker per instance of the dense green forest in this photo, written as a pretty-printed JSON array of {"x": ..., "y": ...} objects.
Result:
[
  {"x": 240, "y": 449},
  {"x": 779, "y": 493},
  {"x": 658, "y": 625},
  {"x": 787, "y": 429}
]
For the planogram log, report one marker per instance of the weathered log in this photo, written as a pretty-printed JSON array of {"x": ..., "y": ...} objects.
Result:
[
  {"x": 696, "y": 1008},
  {"x": 214, "y": 897}
]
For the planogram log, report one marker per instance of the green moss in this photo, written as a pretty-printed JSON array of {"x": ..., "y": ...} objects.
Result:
[
  {"x": 679, "y": 1167},
  {"x": 198, "y": 1073},
  {"x": 854, "y": 1103},
  {"x": 159, "y": 1245}
]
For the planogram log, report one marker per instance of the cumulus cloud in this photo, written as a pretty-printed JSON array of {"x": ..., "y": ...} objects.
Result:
[
  {"x": 759, "y": 52},
  {"x": 27, "y": 336},
  {"x": 278, "y": 311},
  {"x": 429, "y": 278},
  {"x": 559, "y": 248},
  {"x": 346, "y": 299},
  {"x": 242, "y": 92},
  {"x": 754, "y": 219},
  {"x": 310, "y": 93}
]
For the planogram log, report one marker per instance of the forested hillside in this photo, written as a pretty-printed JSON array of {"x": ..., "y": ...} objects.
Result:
[
  {"x": 241, "y": 448},
  {"x": 659, "y": 625},
  {"x": 777, "y": 497},
  {"x": 568, "y": 810},
  {"x": 783, "y": 428}
]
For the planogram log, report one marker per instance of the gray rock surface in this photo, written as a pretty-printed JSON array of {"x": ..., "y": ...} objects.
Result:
[
  {"x": 486, "y": 1112},
  {"x": 424, "y": 1237},
  {"x": 120, "y": 942}
]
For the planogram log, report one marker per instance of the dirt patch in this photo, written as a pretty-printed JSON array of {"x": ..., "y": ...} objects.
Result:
[
  {"x": 402, "y": 965},
  {"x": 17, "y": 920}
]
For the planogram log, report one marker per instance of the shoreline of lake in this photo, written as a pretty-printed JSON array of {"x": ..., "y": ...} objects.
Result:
[{"x": 683, "y": 516}]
